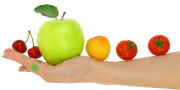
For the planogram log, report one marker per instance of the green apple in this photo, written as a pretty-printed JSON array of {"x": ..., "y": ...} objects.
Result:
[{"x": 60, "y": 40}]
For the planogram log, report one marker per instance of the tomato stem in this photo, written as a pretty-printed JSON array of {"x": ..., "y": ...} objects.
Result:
[
  {"x": 131, "y": 46},
  {"x": 159, "y": 43},
  {"x": 63, "y": 15}
]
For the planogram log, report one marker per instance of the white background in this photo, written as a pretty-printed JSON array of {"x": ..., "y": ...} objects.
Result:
[{"x": 136, "y": 20}]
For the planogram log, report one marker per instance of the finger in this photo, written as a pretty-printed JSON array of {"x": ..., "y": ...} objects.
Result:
[
  {"x": 9, "y": 50},
  {"x": 24, "y": 68},
  {"x": 20, "y": 58},
  {"x": 26, "y": 61}
]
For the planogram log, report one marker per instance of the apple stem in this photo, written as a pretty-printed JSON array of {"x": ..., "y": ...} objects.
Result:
[
  {"x": 63, "y": 15},
  {"x": 32, "y": 38},
  {"x": 26, "y": 39}
]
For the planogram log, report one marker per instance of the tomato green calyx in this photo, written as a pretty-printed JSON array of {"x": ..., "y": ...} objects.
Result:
[
  {"x": 131, "y": 46},
  {"x": 159, "y": 43}
]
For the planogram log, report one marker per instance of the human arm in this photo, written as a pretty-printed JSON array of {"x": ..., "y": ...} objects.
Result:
[{"x": 157, "y": 71}]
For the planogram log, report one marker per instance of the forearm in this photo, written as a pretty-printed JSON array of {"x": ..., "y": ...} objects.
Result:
[{"x": 157, "y": 71}]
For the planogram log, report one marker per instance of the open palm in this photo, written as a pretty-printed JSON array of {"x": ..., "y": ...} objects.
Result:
[{"x": 71, "y": 70}]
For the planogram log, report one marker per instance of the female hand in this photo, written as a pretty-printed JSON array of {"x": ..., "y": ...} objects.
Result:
[
  {"x": 72, "y": 70},
  {"x": 146, "y": 72}
]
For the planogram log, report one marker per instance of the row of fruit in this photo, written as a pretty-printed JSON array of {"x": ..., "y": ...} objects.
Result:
[
  {"x": 62, "y": 39},
  {"x": 99, "y": 47}
]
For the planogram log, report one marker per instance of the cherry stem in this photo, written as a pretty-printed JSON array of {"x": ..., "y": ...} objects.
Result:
[
  {"x": 26, "y": 39},
  {"x": 63, "y": 15},
  {"x": 32, "y": 38}
]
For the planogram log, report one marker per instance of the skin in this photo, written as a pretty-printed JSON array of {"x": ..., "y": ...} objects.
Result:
[{"x": 156, "y": 71}]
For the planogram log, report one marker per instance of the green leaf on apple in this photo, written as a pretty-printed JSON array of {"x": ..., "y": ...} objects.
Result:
[{"x": 47, "y": 10}]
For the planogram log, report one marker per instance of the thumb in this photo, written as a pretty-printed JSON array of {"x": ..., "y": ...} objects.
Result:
[{"x": 23, "y": 68}]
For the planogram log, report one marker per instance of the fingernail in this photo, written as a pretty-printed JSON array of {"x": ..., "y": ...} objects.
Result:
[
  {"x": 21, "y": 70},
  {"x": 4, "y": 57},
  {"x": 34, "y": 68}
]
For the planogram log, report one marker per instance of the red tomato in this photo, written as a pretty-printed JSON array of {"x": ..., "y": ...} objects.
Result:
[
  {"x": 126, "y": 50},
  {"x": 159, "y": 45}
]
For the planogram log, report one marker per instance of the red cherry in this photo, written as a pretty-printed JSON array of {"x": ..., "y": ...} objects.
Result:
[
  {"x": 34, "y": 52},
  {"x": 19, "y": 46}
]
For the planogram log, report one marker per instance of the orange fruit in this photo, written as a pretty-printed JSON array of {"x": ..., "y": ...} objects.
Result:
[{"x": 98, "y": 48}]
